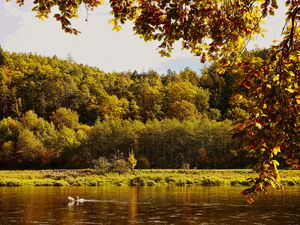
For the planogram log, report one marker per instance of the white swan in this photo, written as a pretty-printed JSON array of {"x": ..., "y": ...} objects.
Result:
[
  {"x": 76, "y": 200},
  {"x": 79, "y": 199},
  {"x": 71, "y": 199}
]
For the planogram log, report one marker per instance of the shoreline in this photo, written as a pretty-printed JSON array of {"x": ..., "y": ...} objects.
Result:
[{"x": 149, "y": 177}]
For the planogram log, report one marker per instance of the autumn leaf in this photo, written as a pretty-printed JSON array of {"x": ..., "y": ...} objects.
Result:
[{"x": 276, "y": 149}]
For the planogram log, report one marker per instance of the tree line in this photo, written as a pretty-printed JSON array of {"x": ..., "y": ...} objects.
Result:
[{"x": 59, "y": 114}]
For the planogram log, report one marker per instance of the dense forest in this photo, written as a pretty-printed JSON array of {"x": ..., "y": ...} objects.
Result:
[{"x": 59, "y": 114}]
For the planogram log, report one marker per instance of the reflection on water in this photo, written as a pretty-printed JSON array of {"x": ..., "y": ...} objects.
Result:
[{"x": 147, "y": 205}]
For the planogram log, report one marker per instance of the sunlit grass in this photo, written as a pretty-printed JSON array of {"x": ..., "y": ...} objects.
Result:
[{"x": 89, "y": 177}]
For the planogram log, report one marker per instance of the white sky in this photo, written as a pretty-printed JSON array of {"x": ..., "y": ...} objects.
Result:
[{"x": 98, "y": 45}]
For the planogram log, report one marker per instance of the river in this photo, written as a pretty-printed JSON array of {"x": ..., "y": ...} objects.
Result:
[{"x": 146, "y": 205}]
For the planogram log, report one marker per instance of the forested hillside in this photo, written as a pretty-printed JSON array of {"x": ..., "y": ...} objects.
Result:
[{"x": 59, "y": 114}]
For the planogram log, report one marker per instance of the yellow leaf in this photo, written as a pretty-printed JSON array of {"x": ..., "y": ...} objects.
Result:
[
  {"x": 298, "y": 99},
  {"x": 240, "y": 97},
  {"x": 276, "y": 163},
  {"x": 275, "y": 150},
  {"x": 276, "y": 77},
  {"x": 240, "y": 41},
  {"x": 272, "y": 184},
  {"x": 290, "y": 90},
  {"x": 206, "y": 46},
  {"x": 258, "y": 125},
  {"x": 291, "y": 73},
  {"x": 197, "y": 51},
  {"x": 278, "y": 178},
  {"x": 221, "y": 71},
  {"x": 112, "y": 22}
]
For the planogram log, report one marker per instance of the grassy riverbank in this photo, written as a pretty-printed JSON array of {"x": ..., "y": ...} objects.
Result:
[{"x": 88, "y": 177}]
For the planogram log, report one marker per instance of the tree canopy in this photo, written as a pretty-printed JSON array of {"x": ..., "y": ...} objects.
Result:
[
  {"x": 59, "y": 114},
  {"x": 218, "y": 30}
]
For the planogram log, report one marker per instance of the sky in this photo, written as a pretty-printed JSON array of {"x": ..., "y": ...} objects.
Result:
[{"x": 98, "y": 45}]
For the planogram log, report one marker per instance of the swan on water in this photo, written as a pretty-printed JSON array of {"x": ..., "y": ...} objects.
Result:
[
  {"x": 78, "y": 200},
  {"x": 75, "y": 200},
  {"x": 71, "y": 199}
]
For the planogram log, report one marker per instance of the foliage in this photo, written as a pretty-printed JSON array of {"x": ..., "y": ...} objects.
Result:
[
  {"x": 143, "y": 162},
  {"x": 69, "y": 94},
  {"x": 273, "y": 124},
  {"x": 102, "y": 165},
  {"x": 113, "y": 108},
  {"x": 81, "y": 93},
  {"x": 219, "y": 31},
  {"x": 75, "y": 114},
  {"x": 235, "y": 114},
  {"x": 168, "y": 143},
  {"x": 132, "y": 160},
  {"x": 2, "y": 58},
  {"x": 214, "y": 114},
  {"x": 205, "y": 27},
  {"x": 183, "y": 110},
  {"x": 120, "y": 166},
  {"x": 30, "y": 149},
  {"x": 65, "y": 117}
]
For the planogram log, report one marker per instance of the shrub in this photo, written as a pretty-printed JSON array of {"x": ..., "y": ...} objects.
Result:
[
  {"x": 143, "y": 163},
  {"x": 189, "y": 182},
  {"x": 169, "y": 179},
  {"x": 211, "y": 182},
  {"x": 185, "y": 166},
  {"x": 137, "y": 181},
  {"x": 102, "y": 165},
  {"x": 120, "y": 166},
  {"x": 180, "y": 183}
]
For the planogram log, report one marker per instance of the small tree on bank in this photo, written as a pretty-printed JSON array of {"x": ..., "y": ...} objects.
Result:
[{"x": 131, "y": 160}]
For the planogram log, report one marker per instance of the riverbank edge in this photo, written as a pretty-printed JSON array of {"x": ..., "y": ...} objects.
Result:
[{"x": 154, "y": 177}]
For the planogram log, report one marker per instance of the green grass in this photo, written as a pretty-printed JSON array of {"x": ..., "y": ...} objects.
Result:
[{"x": 89, "y": 177}]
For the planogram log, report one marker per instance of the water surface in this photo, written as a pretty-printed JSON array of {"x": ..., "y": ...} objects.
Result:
[{"x": 146, "y": 205}]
